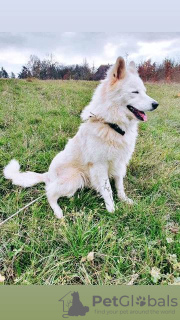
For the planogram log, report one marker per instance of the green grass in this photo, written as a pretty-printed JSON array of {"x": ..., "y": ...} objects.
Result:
[{"x": 36, "y": 120}]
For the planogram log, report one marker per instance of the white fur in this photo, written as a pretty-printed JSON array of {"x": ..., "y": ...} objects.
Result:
[
  {"x": 23, "y": 179},
  {"x": 97, "y": 152},
  {"x": 11, "y": 169}
]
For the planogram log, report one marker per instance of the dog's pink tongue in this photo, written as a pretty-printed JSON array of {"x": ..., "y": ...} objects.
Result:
[{"x": 144, "y": 116}]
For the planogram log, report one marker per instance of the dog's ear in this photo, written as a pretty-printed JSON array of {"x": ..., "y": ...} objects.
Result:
[
  {"x": 132, "y": 67},
  {"x": 119, "y": 68},
  {"x": 118, "y": 71}
]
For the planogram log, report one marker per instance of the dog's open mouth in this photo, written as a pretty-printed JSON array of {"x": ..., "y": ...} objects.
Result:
[{"x": 139, "y": 114}]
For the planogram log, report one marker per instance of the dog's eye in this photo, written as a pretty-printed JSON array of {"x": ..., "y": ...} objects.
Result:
[{"x": 135, "y": 92}]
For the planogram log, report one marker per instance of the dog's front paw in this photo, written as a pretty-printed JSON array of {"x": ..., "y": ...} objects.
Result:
[
  {"x": 110, "y": 208},
  {"x": 129, "y": 201},
  {"x": 126, "y": 199},
  {"x": 58, "y": 213}
]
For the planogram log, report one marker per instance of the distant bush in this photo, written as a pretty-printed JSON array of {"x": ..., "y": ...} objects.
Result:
[
  {"x": 168, "y": 70},
  {"x": 3, "y": 73},
  {"x": 31, "y": 79}
]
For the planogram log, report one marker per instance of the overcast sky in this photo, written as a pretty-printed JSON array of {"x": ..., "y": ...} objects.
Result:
[{"x": 97, "y": 48}]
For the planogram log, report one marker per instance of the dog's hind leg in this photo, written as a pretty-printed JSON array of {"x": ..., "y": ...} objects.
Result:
[
  {"x": 54, "y": 192},
  {"x": 52, "y": 199},
  {"x": 65, "y": 185}
]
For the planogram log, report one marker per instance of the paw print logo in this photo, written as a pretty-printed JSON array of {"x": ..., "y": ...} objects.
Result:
[{"x": 141, "y": 301}]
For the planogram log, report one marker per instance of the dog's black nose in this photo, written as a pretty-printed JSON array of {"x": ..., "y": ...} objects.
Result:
[{"x": 155, "y": 105}]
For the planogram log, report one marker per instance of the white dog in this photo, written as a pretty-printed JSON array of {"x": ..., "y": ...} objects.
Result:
[{"x": 103, "y": 145}]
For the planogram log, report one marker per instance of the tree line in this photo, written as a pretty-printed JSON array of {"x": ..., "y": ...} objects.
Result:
[
  {"x": 168, "y": 70},
  {"x": 5, "y": 75}
]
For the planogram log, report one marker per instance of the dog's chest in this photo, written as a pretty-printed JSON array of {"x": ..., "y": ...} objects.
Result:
[
  {"x": 105, "y": 148},
  {"x": 122, "y": 147},
  {"x": 122, "y": 152}
]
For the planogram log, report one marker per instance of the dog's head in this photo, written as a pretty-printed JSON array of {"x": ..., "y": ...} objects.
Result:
[{"x": 121, "y": 96}]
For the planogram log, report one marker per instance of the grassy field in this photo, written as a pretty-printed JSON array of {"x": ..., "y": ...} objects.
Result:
[{"x": 135, "y": 245}]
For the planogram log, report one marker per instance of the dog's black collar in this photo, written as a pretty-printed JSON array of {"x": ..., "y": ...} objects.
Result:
[{"x": 116, "y": 128}]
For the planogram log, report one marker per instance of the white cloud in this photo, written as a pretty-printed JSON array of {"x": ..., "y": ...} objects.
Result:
[
  {"x": 157, "y": 50},
  {"x": 110, "y": 50},
  {"x": 68, "y": 59},
  {"x": 13, "y": 56}
]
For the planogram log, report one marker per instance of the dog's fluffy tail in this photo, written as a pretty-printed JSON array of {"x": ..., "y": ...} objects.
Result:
[{"x": 23, "y": 179}]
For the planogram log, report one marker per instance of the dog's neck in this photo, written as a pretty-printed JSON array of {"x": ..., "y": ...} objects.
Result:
[
  {"x": 122, "y": 128},
  {"x": 115, "y": 127}
]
